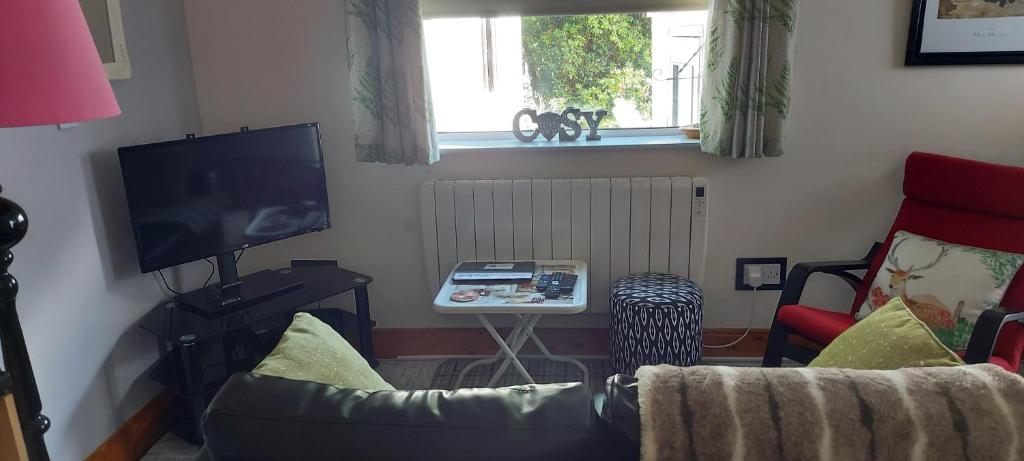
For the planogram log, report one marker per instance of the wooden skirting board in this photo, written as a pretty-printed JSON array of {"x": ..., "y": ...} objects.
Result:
[
  {"x": 130, "y": 441},
  {"x": 399, "y": 342}
]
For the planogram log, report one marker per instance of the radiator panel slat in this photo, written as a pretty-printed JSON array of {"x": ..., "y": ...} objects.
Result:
[
  {"x": 581, "y": 220},
  {"x": 679, "y": 254},
  {"x": 503, "y": 241},
  {"x": 561, "y": 219},
  {"x": 620, "y": 224},
  {"x": 661, "y": 223},
  {"x": 522, "y": 218},
  {"x": 640, "y": 225},
  {"x": 600, "y": 244},
  {"x": 483, "y": 208},
  {"x": 542, "y": 219},
  {"x": 447, "y": 252},
  {"x": 465, "y": 221}
]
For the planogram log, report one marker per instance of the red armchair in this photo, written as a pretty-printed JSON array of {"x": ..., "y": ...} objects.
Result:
[{"x": 950, "y": 199}]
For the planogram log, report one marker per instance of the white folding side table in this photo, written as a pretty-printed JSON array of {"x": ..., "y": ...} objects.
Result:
[{"x": 524, "y": 306}]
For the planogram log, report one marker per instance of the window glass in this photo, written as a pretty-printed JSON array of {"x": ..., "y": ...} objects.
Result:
[{"x": 643, "y": 68}]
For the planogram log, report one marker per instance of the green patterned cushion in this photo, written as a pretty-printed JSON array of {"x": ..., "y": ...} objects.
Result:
[
  {"x": 888, "y": 339},
  {"x": 310, "y": 350},
  {"x": 945, "y": 285}
]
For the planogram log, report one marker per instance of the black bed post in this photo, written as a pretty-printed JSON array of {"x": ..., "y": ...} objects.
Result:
[{"x": 13, "y": 226}]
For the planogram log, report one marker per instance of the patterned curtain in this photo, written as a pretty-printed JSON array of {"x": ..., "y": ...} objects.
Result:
[
  {"x": 394, "y": 122},
  {"x": 745, "y": 101}
]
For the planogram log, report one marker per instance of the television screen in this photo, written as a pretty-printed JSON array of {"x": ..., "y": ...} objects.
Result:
[{"x": 195, "y": 198}]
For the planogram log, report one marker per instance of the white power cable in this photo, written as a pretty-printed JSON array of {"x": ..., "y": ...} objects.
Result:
[{"x": 755, "y": 282}]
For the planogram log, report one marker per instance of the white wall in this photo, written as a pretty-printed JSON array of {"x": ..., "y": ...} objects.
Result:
[
  {"x": 856, "y": 113},
  {"x": 81, "y": 290}
]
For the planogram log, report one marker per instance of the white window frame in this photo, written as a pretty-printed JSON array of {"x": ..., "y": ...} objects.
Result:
[
  {"x": 493, "y": 8},
  {"x": 611, "y": 137}
]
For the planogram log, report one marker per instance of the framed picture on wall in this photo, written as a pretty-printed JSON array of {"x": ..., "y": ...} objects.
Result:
[
  {"x": 104, "y": 20},
  {"x": 966, "y": 32}
]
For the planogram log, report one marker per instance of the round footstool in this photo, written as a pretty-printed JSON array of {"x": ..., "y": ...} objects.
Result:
[{"x": 655, "y": 318}]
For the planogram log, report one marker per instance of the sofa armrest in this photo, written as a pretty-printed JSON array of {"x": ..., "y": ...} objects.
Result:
[
  {"x": 986, "y": 331},
  {"x": 798, "y": 276},
  {"x": 263, "y": 417},
  {"x": 620, "y": 413}
]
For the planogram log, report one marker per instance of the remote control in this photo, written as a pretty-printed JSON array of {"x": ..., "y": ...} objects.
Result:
[
  {"x": 554, "y": 286},
  {"x": 568, "y": 283},
  {"x": 552, "y": 292},
  {"x": 542, "y": 284},
  {"x": 560, "y": 284}
]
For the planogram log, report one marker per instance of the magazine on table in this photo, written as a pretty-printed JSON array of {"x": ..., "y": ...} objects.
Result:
[
  {"x": 494, "y": 271},
  {"x": 524, "y": 292}
]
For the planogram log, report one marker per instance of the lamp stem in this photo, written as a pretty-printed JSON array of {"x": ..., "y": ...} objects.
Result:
[{"x": 13, "y": 226}]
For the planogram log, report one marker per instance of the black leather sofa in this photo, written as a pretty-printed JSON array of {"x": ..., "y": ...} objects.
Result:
[{"x": 257, "y": 417}]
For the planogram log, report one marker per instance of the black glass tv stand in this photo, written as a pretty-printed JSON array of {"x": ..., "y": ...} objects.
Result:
[{"x": 198, "y": 352}]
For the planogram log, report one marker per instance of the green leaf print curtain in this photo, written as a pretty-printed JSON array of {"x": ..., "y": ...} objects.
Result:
[
  {"x": 394, "y": 122},
  {"x": 745, "y": 102}
]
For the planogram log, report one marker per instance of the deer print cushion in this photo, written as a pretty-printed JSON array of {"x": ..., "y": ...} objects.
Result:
[{"x": 945, "y": 285}]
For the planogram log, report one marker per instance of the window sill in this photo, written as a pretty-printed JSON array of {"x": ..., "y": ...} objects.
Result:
[{"x": 607, "y": 142}]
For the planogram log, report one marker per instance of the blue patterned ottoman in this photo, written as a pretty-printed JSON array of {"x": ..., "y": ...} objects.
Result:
[{"x": 655, "y": 318}]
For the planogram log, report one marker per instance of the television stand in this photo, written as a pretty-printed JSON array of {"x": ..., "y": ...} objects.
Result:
[{"x": 198, "y": 352}]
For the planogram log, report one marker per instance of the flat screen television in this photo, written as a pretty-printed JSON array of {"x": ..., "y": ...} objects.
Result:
[{"x": 196, "y": 198}]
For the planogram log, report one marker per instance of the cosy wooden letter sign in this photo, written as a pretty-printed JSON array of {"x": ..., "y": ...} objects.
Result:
[{"x": 566, "y": 125}]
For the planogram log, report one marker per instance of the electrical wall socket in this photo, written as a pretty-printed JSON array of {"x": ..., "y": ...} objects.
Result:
[{"x": 773, "y": 273}]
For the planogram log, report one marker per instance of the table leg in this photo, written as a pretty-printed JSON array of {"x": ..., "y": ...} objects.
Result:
[
  {"x": 544, "y": 350},
  {"x": 510, "y": 352},
  {"x": 192, "y": 383},
  {"x": 516, "y": 345},
  {"x": 365, "y": 325},
  {"x": 512, "y": 337}
]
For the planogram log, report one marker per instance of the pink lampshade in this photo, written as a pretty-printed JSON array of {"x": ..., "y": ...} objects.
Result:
[{"x": 50, "y": 71}]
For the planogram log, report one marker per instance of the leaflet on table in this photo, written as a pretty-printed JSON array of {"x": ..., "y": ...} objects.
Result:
[{"x": 518, "y": 293}]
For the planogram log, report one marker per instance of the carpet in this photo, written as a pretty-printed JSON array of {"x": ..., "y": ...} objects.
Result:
[{"x": 543, "y": 371}]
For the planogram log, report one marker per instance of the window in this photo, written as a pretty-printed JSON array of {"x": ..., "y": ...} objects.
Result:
[{"x": 643, "y": 68}]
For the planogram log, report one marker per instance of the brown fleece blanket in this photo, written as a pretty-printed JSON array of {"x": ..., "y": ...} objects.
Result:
[{"x": 971, "y": 412}]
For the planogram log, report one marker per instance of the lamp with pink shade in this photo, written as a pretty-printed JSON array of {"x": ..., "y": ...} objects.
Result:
[{"x": 50, "y": 73}]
